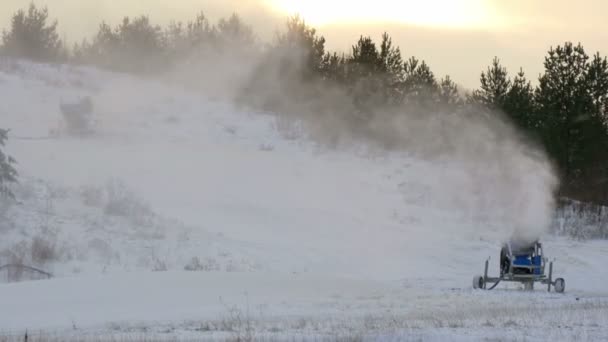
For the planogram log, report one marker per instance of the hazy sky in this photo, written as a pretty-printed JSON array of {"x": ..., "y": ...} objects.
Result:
[{"x": 456, "y": 37}]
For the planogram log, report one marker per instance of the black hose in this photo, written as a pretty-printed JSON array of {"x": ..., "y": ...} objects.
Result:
[{"x": 493, "y": 286}]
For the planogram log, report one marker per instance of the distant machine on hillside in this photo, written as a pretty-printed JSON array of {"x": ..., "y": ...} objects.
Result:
[{"x": 78, "y": 118}]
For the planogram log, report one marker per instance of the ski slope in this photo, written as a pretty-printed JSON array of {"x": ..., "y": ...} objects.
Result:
[{"x": 233, "y": 230}]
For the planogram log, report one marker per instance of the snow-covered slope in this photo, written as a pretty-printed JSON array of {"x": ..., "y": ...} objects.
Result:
[{"x": 180, "y": 209}]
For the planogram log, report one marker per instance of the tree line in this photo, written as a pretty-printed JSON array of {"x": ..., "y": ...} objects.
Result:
[{"x": 564, "y": 112}]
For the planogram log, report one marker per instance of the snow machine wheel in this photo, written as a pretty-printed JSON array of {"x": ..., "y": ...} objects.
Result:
[
  {"x": 478, "y": 282},
  {"x": 560, "y": 285}
]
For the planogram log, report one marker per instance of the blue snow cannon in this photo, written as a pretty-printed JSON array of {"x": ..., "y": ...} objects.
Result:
[{"x": 523, "y": 263}]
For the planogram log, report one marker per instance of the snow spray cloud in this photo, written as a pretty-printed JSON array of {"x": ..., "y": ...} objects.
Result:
[
  {"x": 489, "y": 172},
  {"x": 502, "y": 181}
]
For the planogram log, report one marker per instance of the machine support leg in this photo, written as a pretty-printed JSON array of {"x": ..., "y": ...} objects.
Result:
[
  {"x": 550, "y": 276},
  {"x": 485, "y": 274}
]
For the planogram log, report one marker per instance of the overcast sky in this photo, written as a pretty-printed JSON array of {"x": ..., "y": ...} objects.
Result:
[{"x": 456, "y": 37}]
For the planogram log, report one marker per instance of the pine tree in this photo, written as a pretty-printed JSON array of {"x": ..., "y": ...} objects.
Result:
[
  {"x": 495, "y": 84},
  {"x": 194, "y": 39},
  {"x": 519, "y": 105},
  {"x": 199, "y": 32},
  {"x": 8, "y": 174},
  {"x": 104, "y": 48},
  {"x": 449, "y": 94},
  {"x": 140, "y": 36},
  {"x": 597, "y": 80},
  {"x": 296, "y": 60},
  {"x": 565, "y": 108},
  {"x": 334, "y": 68},
  {"x": 595, "y": 131},
  {"x": 301, "y": 48},
  {"x": 32, "y": 36},
  {"x": 420, "y": 85},
  {"x": 365, "y": 59},
  {"x": 234, "y": 33},
  {"x": 365, "y": 83},
  {"x": 391, "y": 67},
  {"x": 135, "y": 45}
]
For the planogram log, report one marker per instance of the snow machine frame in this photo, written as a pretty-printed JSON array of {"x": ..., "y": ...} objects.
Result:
[{"x": 523, "y": 264}]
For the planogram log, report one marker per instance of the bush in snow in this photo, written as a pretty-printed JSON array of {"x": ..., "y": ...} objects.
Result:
[
  {"x": 92, "y": 196},
  {"x": 120, "y": 201},
  {"x": 43, "y": 250},
  {"x": 40, "y": 251},
  {"x": 289, "y": 128},
  {"x": 159, "y": 266},
  {"x": 207, "y": 265}
]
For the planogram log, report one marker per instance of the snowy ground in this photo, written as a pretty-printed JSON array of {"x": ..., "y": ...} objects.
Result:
[{"x": 187, "y": 218}]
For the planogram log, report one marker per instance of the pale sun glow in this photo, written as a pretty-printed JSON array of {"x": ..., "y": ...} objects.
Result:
[{"x": 437, "y": 13}]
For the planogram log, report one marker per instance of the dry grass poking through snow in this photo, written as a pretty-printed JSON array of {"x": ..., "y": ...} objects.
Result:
[
  {"x": 144, "y": 338},
  {"x": 584, "y": 320}
]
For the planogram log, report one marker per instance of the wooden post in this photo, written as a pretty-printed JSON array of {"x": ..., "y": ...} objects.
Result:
[
  {"x": 550, "y": 276},
  {"x": 485, "y": 274}
]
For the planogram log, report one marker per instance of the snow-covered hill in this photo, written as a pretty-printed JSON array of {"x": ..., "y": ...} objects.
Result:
[{"x": 189, "y": 217}]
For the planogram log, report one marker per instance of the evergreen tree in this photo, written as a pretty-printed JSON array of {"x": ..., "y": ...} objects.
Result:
[
  {"x": 334, "y": 68},
  {"x": 376, "y": 73},
  {"x": 597, "y": 80},
  {"x": 234, "y": 33},
  {"x": 301, "y": 49},
  {"x": 289, "y": 68},
  {"x": 391, "y": 67},
  {"x": 104, "y": 47},
  {"x": 519, "y": 105},
  {"x": 365, "y": 60},
  {"x": 594, "y": 163},
  {"x": 193, "y": 39},
  {"x": 420, "y": 86},
  {"x": 200, "y": 31},
  {"x": 449, "y": 94},
  {"x": 140, "y": 38},
  {"x": 365, "y": 83},
  {"x": 566, "y": 109},
  {"x": 8, "y": 174},
  {"x": 175, "y": 38},
  {"x": 495, "y": 85},
  {"x": 135, "y": 45},
  {"x": 32, "y": 36}
]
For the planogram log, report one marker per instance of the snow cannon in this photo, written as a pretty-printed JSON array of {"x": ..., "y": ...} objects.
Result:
[
  {"x": 523, "y": 263},
  {"x": 78, "y": 117}
]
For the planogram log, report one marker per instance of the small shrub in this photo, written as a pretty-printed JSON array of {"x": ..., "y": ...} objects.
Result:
[
  {"x": 18, "y": 259},
  {"x": 288, "y": 128},
  {"x": 230, "y": 130},
  {"x": 208, "y": 265},
  {"x": 172, "y": 119},
  {"x": 159, "y": 266},
  {"x": 122, "y": 202},
  {"x": 43, "y": 250},
  {"x": 92, "y": 196},
  {"x": 266, "y": 147}
]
